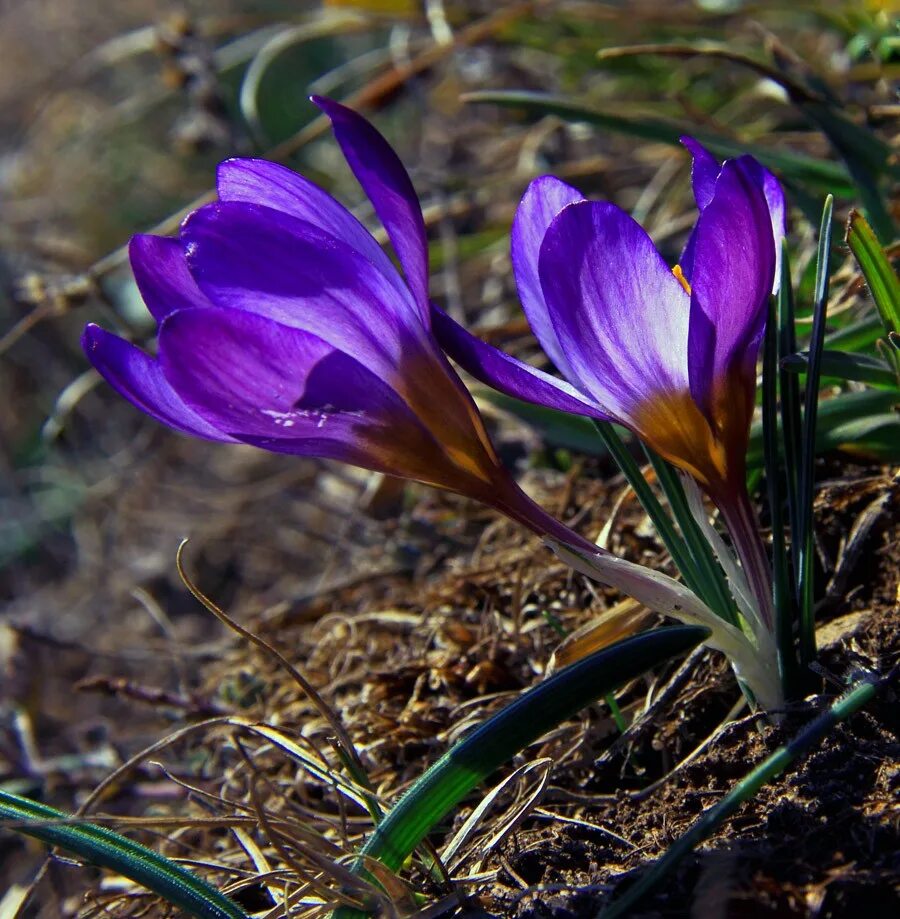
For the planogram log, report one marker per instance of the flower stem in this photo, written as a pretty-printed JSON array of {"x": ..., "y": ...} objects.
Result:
[{"x": 741, "y": 521}]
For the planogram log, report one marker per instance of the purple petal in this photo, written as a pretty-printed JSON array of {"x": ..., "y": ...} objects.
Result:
[
  {"x": 620, "y": 313},
  {"x": 544, "y": 198},
  {"x": 286, "y": 390},
  {"x": 255, "y": 181},
  {"x": 139, "y": 378},
  {"x": 161, "y": 272},
  {"x": 386, "y": 183},
  {"x": 731, "y": 280},
  {"x": 505, "y": 373},
  {"x": 253, "y": 258},
  {"x": 704, "y": 172}
]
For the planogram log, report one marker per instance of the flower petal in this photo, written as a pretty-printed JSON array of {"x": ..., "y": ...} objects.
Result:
[
  {"x": 620, "y": 314},
  {"x": 544, "y": 198},
  {"x": 286, "y": 390},
  {"x": 505, "y": 373},
  {"x": 161, "y": 272},
  {"x": 731, "y": 279},
  {"x": 704, "y": 171},
  {"x": 384, "y": 179},
  {"x": 253, "y": 258},
  {"x": 256, "y": 181},
  {"x": 139, "y": 378}
]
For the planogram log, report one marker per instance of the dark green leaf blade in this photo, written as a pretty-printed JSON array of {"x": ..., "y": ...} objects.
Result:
[
  {"x": 845, "y": 366},
  {"x": 107, "y": 849},
  {"x": 804, "y": 535},
  {"x": 473, "y": 759},
  {"x": 818, "y": 173},
  {"x": 877, "y": 270}
]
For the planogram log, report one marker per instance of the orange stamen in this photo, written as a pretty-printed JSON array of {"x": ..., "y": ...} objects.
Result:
[{"x": 682, "y": 280}]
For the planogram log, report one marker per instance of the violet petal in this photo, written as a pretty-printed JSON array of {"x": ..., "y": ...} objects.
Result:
[
  {"x": 620, "y": 313},
  {"x": 387, "y": 184},
  {"x": 544, "y": 198},
  {"x": 507, "y": 374},
  {"x": 731, "y": 279},
  {"x": 253, "y": 258},
  {"x": 286, "y": 390},
  {"x": 256, "y": 181},
  {"x": 162, "y": 276},
  {"x": 139, "y": 378}
]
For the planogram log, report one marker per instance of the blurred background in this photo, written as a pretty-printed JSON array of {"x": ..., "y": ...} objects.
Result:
[{"x": 112, "y": 118}]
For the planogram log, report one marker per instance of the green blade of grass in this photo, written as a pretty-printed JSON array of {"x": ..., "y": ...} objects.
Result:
[
  {"x": 782, "y": 595},
  {"x": 866, "y": 156},
  {"x": 575, "y": 432},
  {"x": 473, "y": 759},
  {"x": 713, "y": 583},
  {"x": 102, "y": 847},
  {"x": 789, "y": 431},
  {"x": 877, "y": 270},
  {"x": 805, "y": 536},
  {"x": 844, "y": 366},
  {"x": 818, "y": 173},
  {"x": 765, "y": 772},
  {"x": 699, "y": 579},
  {"x": 857, "y": 336},
  {"x": 835, "y": 417}
]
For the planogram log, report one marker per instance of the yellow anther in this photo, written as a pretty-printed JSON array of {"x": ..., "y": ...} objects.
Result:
[{"x": 682, "y": 280}]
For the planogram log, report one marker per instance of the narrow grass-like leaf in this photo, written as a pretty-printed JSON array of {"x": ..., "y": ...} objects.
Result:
[
  {"x": 575, "y": 432},
  {"x": 861, "y": 367},
  {"x": 877, "y": 270},
  {"x": 782, "y": 595},
  {"x": 804, "y": 536},
  {"x": 713, "y": 583},
  {"x": 789, "y": 391},
  {"x": 493, "y": 743},
  {"x": 102, "y": 847},
  {"x": 866, "y": 155},
  {"x": 699, "y": 580},
  {"x": 857, "y": 336},
  {"x": 572, "y": 432},
  {"x": 765, "y": 772},
  {"x": 874, "y": 436},
  {"x": 821, "y": 174},
  {"x": 836, "y": 418}
]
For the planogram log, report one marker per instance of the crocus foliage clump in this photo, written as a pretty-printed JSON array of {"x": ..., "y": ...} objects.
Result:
[{"x": 284, "y": 325}]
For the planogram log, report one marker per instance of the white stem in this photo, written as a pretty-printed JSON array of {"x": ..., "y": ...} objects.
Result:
[{"x": 753, "y": 666}]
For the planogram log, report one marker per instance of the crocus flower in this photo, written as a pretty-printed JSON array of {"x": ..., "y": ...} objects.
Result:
[
  {"x": 284, "y": 325},
  {"x": 670, "y": 353}
]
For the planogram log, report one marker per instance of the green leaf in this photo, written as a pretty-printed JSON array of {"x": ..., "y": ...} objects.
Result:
[
  {"x": 822, "y": 174},
  {"x": 804, "y": 536},
  {"x": 702, "y": 575},
  {"x": 102, "y": 847},
  {"x": 493, "y": 743},
  {"x": 857, "y": 336},
  {"x": 574, "y": 432},
  {"x": 874, "y": 437},
  {"x": 834, "y": 415},
  {"x": 877, "y": 270},
  {"x": 866, "y": 155},
  {"x": 845, "y": 366},
  {"x": 782, "y": 595}
]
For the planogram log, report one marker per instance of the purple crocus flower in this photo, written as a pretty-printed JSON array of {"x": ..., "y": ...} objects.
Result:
[
  {"x": 668, "y": 353},
  {"x": 284, "y": 325}
]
